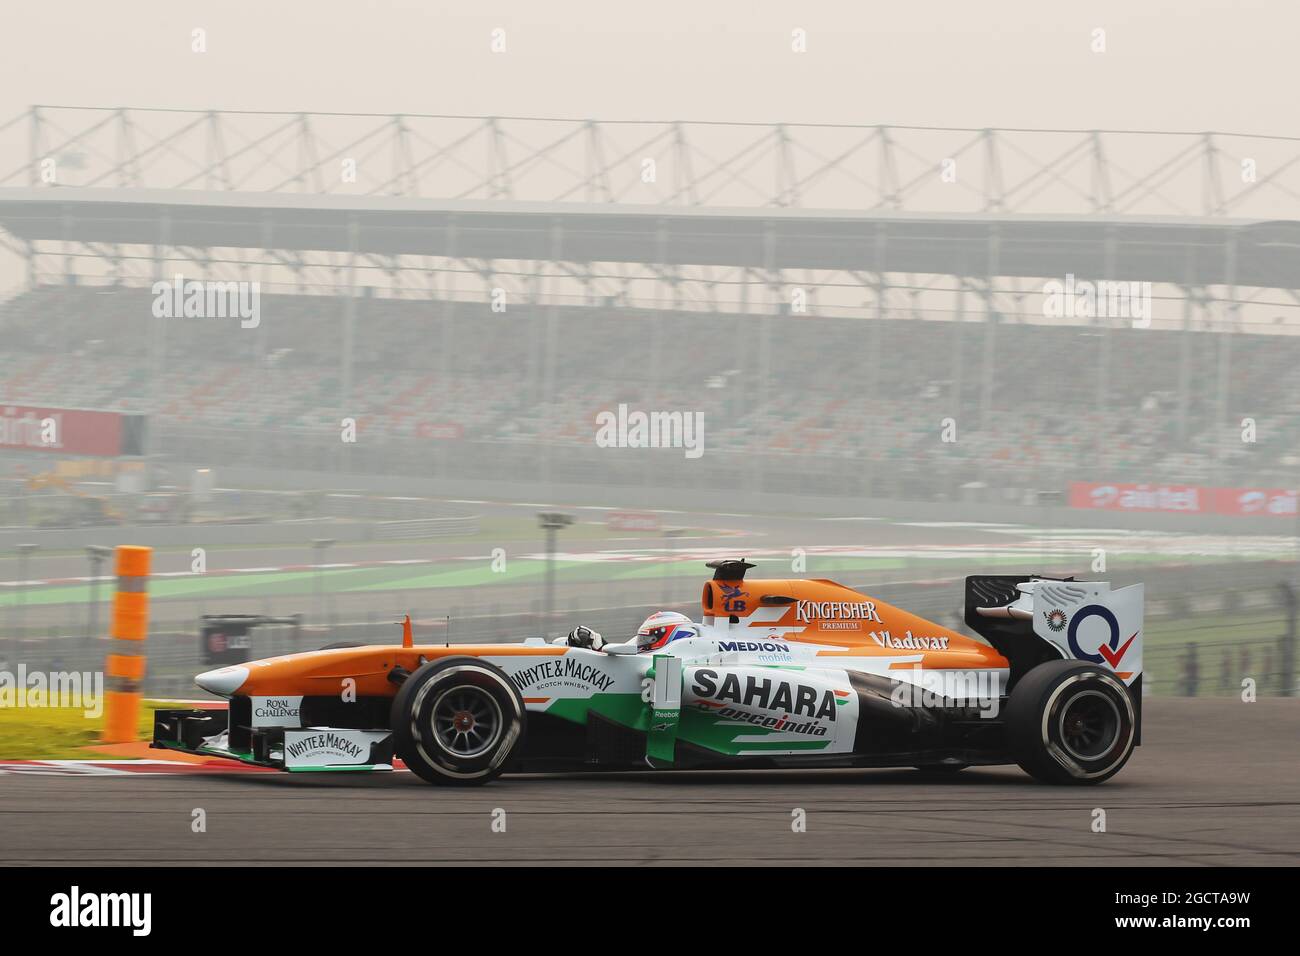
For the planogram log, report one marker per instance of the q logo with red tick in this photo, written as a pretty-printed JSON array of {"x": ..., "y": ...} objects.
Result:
[{"x": 1110, "y": 652}]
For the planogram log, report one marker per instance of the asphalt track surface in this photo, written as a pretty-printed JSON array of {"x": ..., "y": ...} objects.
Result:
[{"x": 1217, "y": 782}]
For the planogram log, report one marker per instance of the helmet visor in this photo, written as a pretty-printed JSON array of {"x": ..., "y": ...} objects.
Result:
[{"x": 649, "y": 638}]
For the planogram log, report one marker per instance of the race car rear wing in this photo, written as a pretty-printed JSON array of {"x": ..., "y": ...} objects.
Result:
[{"x": 1030, "y": 619}]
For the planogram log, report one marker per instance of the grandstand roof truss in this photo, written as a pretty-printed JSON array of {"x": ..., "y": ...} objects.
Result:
[{"x": 773, "y": 165}]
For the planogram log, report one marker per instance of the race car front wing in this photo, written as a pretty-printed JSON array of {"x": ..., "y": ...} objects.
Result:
[{"x": 297, "y": 749}]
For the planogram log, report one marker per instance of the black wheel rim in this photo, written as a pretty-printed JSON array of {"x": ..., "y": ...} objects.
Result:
[
  {"x": 1089, "y": 725},
  {"x": 467, "y": 721}
]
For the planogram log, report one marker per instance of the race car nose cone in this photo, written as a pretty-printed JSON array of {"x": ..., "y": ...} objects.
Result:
[{"x": 224, "y": 681}]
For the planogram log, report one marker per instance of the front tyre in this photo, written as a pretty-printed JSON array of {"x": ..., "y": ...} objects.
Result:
[
  {"x": 1070, "y": 722},
  {"x": 458, "y": 721}
]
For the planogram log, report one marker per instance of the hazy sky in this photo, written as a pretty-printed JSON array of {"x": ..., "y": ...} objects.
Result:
[{"x": 1169, "y": 64}]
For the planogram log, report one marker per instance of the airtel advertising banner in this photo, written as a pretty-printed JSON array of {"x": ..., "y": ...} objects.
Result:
[
  {"x": 1122, "y": 497},
  {"x": 70, "y": 431},
  {"x": 1263, "y": 502},
  {"x": 1186, "y": 499}
]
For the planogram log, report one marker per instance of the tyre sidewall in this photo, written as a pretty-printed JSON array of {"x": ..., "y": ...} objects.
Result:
[
  {"x": 413, "y": 721},
  {"x": 1034, "y": 722}
]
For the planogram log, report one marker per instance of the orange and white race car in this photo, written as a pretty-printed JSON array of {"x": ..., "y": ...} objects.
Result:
[{"x": 776, "y": 673}]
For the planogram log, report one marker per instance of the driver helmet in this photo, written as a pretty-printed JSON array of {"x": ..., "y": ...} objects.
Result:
[{"x": 662, "y": 627}]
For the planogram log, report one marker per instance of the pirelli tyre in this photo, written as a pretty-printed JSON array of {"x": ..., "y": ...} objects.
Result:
[
  {"x": 458, "y": 721},
  {"x": 1070, "y": 722}
]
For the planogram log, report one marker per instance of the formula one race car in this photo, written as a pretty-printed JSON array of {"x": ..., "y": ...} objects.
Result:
[{"x": 778, "y": 673}]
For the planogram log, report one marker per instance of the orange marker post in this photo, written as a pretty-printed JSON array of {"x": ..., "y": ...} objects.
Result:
[{"x": 125, "y": 667}]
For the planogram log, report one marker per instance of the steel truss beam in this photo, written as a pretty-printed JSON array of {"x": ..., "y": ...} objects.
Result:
[{"x": 672, "y": 163}]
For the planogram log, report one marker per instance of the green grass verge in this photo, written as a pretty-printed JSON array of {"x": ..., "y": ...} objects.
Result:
[{"x": 59, "y": 733}]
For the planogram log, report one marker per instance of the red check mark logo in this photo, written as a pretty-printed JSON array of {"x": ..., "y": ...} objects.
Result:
[{"x": 1114, "y": 657}]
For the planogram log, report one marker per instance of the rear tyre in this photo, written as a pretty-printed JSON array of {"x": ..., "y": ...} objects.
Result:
[
  {"x": 458, "y": 721},
  {"x": 1070, "y": 722}
]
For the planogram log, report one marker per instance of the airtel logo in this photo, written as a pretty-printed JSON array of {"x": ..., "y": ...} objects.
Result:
[
  {"x": 1261, "y": 502},
  {"x": 1104, "y": 495},
  {"x": 1252, "y": 501}
]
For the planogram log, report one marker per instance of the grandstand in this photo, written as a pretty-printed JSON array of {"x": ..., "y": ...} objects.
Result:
[
  {"x": 833, "y": 414},
  {"x": 922, "y": 305}
]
